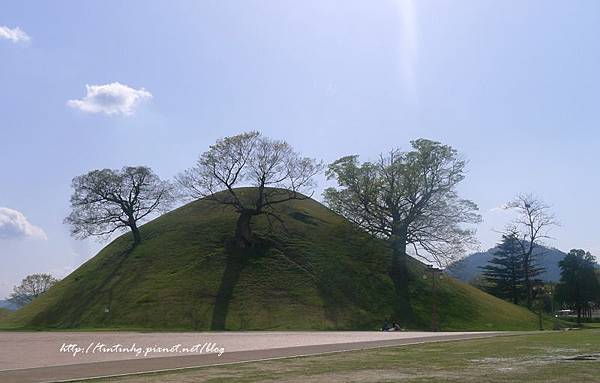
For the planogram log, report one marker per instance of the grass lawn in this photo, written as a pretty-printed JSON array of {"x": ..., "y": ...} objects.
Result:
[{"x": 544, "y": 357}]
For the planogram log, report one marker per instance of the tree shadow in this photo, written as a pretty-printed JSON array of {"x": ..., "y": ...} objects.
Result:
[
  {"x": 403, "y": 310},
  {"x": 236, "y": 261},
  {"x": 234, "y": 264}
]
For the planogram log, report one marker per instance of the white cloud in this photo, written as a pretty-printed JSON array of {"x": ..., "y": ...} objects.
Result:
[
  {"x": 499, "y": 209},
  {"x": 111, "y": 99},
  {"x": 13, "y": 224},
  {"x": 16, "y": 35}
]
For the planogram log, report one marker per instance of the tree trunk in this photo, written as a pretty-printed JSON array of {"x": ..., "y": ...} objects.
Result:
[
  {"x": 513, "y": 286},
  {"x": 529, "y": 274},
  {"x": 400, "y": 276},
  {"x": 243, "y": 230},
  {"x": 137, "y": 238},
  {"x": 528, "y": 287}
]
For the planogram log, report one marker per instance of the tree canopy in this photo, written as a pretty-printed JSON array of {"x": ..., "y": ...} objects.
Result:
[
  {"x": 105, "y": 201},
  {"x": 409, "y": 195},
  {"x": 530, "y": 227},
  {"x": 410, "y": 199},
  {"x": 278, "y": 173},
  {"x": 31, "y": 287},
  {"x": 579, "y": 285},
  {"x": 504, "y": 274}
]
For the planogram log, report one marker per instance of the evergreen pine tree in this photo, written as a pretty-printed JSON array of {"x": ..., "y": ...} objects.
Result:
[{"x": 504, "y": 274}]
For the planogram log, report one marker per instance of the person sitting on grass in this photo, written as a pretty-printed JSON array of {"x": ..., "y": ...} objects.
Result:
[{"x": 386, "y": 326}]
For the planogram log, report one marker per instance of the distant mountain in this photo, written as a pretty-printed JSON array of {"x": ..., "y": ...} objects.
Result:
[
  {"x": 5, "y": 304},
  {"x": 468, "y": 268}
]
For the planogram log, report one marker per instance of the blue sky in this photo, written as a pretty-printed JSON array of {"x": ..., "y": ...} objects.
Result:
[{"x": 513, "y": 85}]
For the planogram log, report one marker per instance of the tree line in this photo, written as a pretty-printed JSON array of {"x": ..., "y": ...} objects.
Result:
[
  {"x": 514, "y": 270},
  {"x": 408, "y": 198}
]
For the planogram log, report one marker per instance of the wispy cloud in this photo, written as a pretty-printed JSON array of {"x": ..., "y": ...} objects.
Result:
[
  {"x": 16, "y": 35},
  {"x": 499, "y": 208},
  {"x": 409, "y": 41},
  {"x": 112, "y": 99},
  {"x": 14, "y": 225}
]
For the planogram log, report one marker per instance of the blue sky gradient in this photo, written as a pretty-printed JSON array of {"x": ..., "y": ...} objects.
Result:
[{"x": 513, "y": 85}]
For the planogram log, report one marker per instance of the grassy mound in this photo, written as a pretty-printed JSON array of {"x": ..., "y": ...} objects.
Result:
[{"x": 314, "y": 271}]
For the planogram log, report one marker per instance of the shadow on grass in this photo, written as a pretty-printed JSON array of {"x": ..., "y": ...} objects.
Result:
[
  {"x": 236, "y": 261},
  {"x": 234, "y": 265}
]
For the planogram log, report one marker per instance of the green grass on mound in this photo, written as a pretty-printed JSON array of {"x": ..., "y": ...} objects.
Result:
[{"x": 316, "y": 271}]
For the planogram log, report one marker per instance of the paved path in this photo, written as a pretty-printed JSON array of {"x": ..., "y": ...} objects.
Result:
[{"x": 37, "y": 357}]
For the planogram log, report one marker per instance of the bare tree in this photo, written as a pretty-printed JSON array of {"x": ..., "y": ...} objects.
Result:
[
  {"x": 531, "y": 227},
  {"x": 278, "y": 173},
  {"x": 31, "y": 287},
  {"x": 105, "y": 201},
  {"x": 410, "y": 199}
]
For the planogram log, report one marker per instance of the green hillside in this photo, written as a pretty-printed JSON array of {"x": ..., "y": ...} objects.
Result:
[
  {"x": 314, "y": 272},
  {"x": 4, "y": 312}
]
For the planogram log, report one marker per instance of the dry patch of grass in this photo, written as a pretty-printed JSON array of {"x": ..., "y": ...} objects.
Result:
[{"x": 545, "y": 357}]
